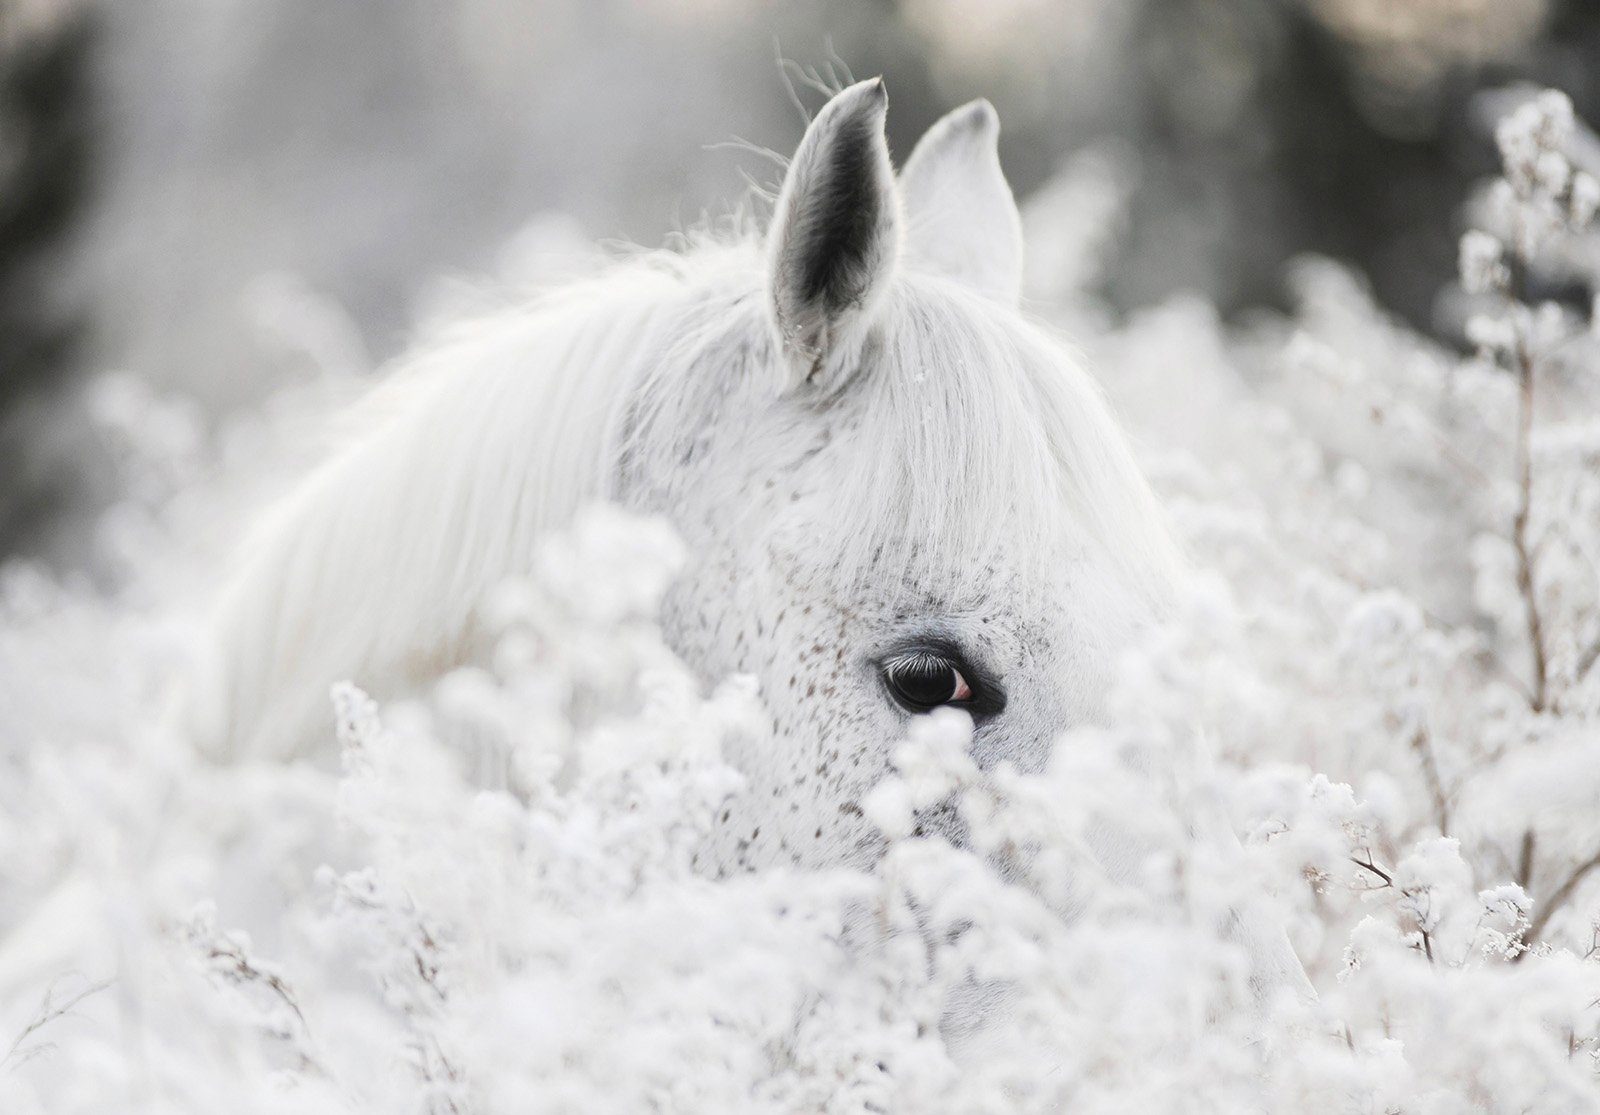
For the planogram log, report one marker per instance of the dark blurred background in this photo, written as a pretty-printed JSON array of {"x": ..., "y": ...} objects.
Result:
[{"x": 213, "y": 194}]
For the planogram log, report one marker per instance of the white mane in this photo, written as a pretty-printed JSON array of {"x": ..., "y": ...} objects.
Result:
[{"x": 447, "y": 475}]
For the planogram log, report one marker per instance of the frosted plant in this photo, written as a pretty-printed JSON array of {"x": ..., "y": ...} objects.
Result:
[
  {"x": 497, "y": 901},
  {"x": 1539, "y": 197},
  {"x": 1406, "y": 542}
]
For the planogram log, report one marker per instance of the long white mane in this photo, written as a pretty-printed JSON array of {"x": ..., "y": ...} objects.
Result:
[{"x": 980, "y": 428}]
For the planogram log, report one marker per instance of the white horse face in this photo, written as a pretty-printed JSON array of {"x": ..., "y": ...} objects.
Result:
[
  {"x": 844, "y": 667},
  {"x": 898, "y": 495}
]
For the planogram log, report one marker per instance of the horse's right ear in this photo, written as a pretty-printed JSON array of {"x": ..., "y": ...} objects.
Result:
[{"x": 834, "y": 240}]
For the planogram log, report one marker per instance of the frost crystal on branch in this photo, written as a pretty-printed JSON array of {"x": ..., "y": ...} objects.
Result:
[{"x": 1482, "y": 269}]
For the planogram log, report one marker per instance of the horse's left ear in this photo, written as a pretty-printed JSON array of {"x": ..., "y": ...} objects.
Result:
[
  {"x": 835, "y": 238},
  {"x": 961, "y": 219}
]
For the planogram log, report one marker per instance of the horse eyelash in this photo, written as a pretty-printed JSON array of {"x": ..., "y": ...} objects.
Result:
[{"x": 988, "y": 696}]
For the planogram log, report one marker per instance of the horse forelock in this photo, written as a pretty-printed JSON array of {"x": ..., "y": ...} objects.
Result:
[{"x": 970, "y": 438}]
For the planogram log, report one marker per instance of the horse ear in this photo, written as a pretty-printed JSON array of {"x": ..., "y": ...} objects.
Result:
[
  {"x": 962, "y": 220},
  {"x": 835, "y": 237}
]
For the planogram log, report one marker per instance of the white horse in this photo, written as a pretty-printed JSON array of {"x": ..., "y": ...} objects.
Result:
[{"x": 899, "y": 493}]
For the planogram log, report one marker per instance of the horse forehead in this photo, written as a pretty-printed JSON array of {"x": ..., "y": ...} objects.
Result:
[{"x": 1013, "y": 614}]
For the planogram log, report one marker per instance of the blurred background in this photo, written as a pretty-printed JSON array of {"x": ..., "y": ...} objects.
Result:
[{"x": 220, "y": 195}]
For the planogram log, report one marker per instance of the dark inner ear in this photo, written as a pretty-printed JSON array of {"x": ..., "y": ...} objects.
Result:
[{"x": 847, "y": 210}]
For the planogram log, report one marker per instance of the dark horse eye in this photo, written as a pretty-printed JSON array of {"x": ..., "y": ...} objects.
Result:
[{"x": 925, "y": 679}]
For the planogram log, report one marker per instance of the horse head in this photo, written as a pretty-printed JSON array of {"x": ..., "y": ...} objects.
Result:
[{"x": 900, "y": 493}]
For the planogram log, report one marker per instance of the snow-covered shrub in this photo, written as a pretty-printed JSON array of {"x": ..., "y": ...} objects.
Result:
[
  {"x": 510, "y": 916},
  {"x": 1371, "y": 725},
  {"x": 1405, "y": 544}
]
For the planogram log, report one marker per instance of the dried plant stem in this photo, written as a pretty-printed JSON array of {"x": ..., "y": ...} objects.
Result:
[
  {"x": 49, "y": 1011},
  {"x": 1519, "y": 526},
  {"x": 1587, "y": 659},
  {"x": 1558, "y": 898},
  {"x": 1422, "y": 743},
  {"x": 1369, "y": 865}
]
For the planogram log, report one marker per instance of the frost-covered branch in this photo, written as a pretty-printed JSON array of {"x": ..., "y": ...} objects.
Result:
[
  {"x": 1558, "y": 898},
  {"x": 1539, "y": 197},
  {"x": 49, "y": 1011}
]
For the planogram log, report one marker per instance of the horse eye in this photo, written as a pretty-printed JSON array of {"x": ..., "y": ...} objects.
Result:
[{"x": 923, "y": 679}]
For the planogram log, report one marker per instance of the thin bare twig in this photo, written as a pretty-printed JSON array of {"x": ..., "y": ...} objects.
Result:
[
  {"x": 1559, "y": 897},
  {"x": 48, "y": 1013},
  {"x": 1525, "y": 861},
  {"x": 1519, "y": 524},
  {"x": 1587, "y": 659},
  {"x": 1388, "y": 880},
  {"x": 244, "y": 971},
  {"x": 1422, "y": 743}
]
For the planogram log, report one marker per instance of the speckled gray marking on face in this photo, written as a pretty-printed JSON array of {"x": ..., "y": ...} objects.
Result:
[
  {"x": 920, "y": 480},
  {"x": 763, "y": 597}
]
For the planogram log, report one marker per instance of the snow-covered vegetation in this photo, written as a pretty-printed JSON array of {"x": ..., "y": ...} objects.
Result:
[{"x": 1384, "y": 681}]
